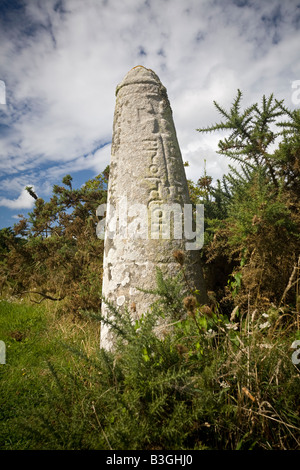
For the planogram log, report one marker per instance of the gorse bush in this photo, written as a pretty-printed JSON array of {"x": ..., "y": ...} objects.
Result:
[
  {"x": 55, "y": 253},
  {"x": 200, "y": 381},
  {"x": 182, "y": 375},
  {"x": 257, "y": 231}
]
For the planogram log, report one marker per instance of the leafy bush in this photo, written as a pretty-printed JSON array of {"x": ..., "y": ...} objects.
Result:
[
  {"x": 60, "y": 255},
  {"x": 202, "y": 381},
  {"x": 184, "y": 375},
  {"x": 257, "y": 233}
]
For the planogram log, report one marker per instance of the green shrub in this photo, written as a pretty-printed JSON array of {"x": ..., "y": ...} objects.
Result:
[{"x": 199, "y": 381}]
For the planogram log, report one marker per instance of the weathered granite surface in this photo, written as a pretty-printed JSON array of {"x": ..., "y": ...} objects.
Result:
[{"x": 146, "y": 168}]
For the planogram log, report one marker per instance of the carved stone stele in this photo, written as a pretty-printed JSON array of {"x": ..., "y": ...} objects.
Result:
[{"x": 146, "y": 171}]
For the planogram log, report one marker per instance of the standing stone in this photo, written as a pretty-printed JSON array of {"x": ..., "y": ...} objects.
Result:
[{"x": 146, "y": 170}]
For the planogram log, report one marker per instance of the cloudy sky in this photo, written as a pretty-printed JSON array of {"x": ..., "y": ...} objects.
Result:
[{"x": 61, "y": 60}]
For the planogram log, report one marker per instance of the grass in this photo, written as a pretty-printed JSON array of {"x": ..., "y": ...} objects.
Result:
[
  {"x": 212, "y": 384},
  {"x": 37, "y": 339}
]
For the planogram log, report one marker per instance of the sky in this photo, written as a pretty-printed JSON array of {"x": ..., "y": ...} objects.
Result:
[{"x": 61, "y": 61}]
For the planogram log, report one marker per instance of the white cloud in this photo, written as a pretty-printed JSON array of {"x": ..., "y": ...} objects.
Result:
[
  {"x": 24, "y": 201},
  {"x": 95, "y": 162},
  {"x": 62, "y": 60}
]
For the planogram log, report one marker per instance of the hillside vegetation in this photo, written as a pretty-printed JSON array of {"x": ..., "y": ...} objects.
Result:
[{"x": 224, "y": 375}]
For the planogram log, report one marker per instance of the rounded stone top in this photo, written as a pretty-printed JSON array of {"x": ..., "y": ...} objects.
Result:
[{"x": 140, "y": 75}]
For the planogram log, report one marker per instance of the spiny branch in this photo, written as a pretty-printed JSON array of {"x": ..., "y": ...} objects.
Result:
[{"x": 45, "y": 296}]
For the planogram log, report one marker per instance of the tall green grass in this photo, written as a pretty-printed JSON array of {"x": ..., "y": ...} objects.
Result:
[{"x": 37, "y": 339}]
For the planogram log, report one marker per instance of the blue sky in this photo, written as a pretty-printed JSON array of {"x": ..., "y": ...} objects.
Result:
[{"x": 61, "y": 60}]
